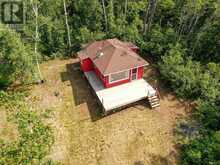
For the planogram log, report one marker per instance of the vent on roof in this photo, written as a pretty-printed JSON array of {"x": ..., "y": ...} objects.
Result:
[{"x": 99, "y": 54}]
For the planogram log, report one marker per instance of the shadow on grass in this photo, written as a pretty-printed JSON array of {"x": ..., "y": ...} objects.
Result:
[
  {"x": 167, "y": 160},
  {"x": 82, "y": 92}
]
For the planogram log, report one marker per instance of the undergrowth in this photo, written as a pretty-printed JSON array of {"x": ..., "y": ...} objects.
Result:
[{"x": 35, "y": 137}]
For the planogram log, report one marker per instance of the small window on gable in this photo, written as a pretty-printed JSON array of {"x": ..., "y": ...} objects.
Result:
[{"x": 119, "y": 76}]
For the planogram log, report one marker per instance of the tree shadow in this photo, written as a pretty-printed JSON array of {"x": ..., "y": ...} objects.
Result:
[
  {"x": 169, "y": 159},
  {"x": 82, "y": 92}
]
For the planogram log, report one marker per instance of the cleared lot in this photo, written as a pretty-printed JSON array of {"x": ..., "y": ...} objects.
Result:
[{"x": 136, "y": 135}]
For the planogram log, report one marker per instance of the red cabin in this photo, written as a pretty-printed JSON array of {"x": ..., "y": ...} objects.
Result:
[{"x": 114, "y": 62}]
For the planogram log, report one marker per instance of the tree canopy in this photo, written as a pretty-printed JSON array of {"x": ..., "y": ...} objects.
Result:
[
  {"x": 16, "y": 59},
  {"x": 180, "y": 36}
]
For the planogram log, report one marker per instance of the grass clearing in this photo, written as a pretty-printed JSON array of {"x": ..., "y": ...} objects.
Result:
[
  {"x": 8, "y": 130},
  {"x": 133, "y": 136}
]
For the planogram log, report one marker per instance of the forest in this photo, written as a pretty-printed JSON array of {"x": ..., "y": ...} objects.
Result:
[{"x": 181, "y": 37}]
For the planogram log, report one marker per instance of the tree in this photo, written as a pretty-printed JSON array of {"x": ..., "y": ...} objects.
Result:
[
  {"x": 16, "y": 59},
  {"x": 67, "y": 24},
  {"x": 207, "y": 45},
  {"x": 149, "y": 15},
  {"x": 35, "y": 7},
  {"x": 105, "y": 15}
]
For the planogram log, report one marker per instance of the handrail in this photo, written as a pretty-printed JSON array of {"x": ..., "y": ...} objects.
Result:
[{"x": 158, "y": 93}]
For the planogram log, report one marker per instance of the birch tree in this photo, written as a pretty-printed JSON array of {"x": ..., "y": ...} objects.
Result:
[
  {"x": 105, "y": 16},
  {"x": 67, "y": 24},
  {"x": 126, "y": 8},
  {"x": 149, "y": 15},
  {"x": 191, "y": 12},
  {"x": 35, "y": 8},
  {"x": 111, "y": 17}
]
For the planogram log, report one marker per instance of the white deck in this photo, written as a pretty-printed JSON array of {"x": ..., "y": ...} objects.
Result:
[{"x": 118, "y": 96}]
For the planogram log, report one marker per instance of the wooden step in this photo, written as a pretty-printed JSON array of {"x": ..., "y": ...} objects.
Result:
[
  {"x": 156, "y": 105},
  {"x": 154, "y": 99}
]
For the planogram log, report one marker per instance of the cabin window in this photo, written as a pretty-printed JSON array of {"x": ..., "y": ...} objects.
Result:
[{"x": 119, "y": 76}]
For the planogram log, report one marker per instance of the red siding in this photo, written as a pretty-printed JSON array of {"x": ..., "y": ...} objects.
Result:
[
  {"x": 87, "y": 65},
  {"x": 102, "y": 78},
  {"x": 140, "y": 72},
  {"x": 136, "y": 50}
]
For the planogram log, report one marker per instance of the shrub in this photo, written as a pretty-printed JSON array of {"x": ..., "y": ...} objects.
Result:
[
  {"x": 35, "y": 137},
  {"x": 205, "y": 150},
  {"x": 183, "y": 77},
  {"x": 188, "y": 78}
]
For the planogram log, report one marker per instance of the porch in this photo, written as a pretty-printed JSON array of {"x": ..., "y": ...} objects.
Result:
[{"x": 118, "y": 96}]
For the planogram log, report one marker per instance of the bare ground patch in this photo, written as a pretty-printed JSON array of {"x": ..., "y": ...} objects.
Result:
[
  {"x": 133, "y": 136},
  {"x": 8, "y": 130}
]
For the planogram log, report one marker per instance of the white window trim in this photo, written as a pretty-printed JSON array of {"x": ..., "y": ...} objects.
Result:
[
  {"x": 136, "y": 74},
  {"x": 127, "y": 69},
  {"x": 128, "y": 75}
]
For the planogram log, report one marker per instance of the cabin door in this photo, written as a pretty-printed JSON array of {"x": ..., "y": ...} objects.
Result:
[{"x": 134, "y": 74}]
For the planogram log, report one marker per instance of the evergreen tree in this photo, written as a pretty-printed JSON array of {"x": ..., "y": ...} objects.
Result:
[{"x": 16, "y": 59}]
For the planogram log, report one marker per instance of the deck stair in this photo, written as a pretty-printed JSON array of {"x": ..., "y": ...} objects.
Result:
[{"x": 154, "y": 101}]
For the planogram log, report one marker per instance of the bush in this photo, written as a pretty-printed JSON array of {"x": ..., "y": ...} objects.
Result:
[
  {"x": 188, "y": 78},
  {"x": 183, "y": 77},
  {"x": 209, "y": 115},
  {"x": 205, "y": 150}
]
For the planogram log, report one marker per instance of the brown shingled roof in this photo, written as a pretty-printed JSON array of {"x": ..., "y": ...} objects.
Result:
[{"x": 112, "y": 55}]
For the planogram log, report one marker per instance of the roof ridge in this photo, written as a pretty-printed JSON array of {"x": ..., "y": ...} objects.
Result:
[
  {"x": 101, "y": 50},
  {"x": 123, "y": 50},
  {"x": 119, "y": 44},
  {"x": 110, "y": 59},
  {"x": 111, "y": 41}
]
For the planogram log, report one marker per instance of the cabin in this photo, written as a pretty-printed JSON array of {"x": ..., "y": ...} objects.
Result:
[
  {"x": 113, "y": 68},
  {"x": 113, "y": 61}
]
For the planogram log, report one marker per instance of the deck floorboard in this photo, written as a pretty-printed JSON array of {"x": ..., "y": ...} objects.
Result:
[{"x": 118, "y": 96}]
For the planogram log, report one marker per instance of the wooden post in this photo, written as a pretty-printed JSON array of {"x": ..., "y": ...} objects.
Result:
[
  {"x": 103, "y": 108},
  {"x": 103, "y": 102}
]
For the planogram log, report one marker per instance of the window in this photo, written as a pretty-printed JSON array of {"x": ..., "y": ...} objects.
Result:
[
  {"x": 134, "y": 74},
  {"x": 119, "y": 76}
]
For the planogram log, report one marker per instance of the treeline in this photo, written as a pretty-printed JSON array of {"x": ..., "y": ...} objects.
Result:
[
  {"x": 58, "y": 28},
  {"x": 199, "y": 82},
  {"x": 62, "y": 26},
  {"x": 181, "y": 36}
]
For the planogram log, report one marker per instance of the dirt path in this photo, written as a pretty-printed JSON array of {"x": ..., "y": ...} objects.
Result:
[{"x": 136, "y": 135}]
